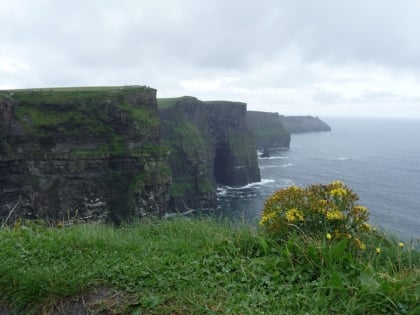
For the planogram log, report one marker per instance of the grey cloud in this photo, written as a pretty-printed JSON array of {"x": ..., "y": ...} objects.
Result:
[
  {"x": 325, "y": 97},
  {"x": 357, "y": 31},
  {"x": 384, "y": 97},
  {"x": 269, "y": 45},
  {"x": 220, "y": 34}
]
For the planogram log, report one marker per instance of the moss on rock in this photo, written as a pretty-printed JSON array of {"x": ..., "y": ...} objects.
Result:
[{"x": 89, "y": 151}]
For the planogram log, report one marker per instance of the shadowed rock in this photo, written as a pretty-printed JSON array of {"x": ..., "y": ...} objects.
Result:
[
  {"x": 210, "y": 143},
  {"x": 81, "y": 152}
]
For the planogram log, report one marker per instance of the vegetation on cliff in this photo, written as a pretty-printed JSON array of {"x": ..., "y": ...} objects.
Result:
[
  {"x": 302, "y": 124},
  {"x": 268, "y": 130},
  {"x": 82, "y": 152},
  {"x": 198, "y": 266},
  {"x": 209, "y": 143},
  {"x": 89, "y": 152},
  {"x": 79, "y": 113}
]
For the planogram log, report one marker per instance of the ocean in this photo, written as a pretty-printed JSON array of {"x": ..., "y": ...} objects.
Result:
[{"x": 379, "y": 159}]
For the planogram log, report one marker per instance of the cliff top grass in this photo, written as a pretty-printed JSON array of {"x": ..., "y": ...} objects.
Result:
[
  {"x": 77, "y": 89},
  {"x": 165, "y": 103},
  {"x": 199, "y": 266},
  {"x": 61, "y": 95},
  {"x": 84, "y": 113},
  {"x": 222, "y": 102},
  {"x": 168, "y": 102}
]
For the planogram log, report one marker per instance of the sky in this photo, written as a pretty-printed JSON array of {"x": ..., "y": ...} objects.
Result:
[{"x": 295, "y": 57}]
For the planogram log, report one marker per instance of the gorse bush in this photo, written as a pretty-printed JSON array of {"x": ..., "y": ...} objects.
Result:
[{"x": 319, "y": 211}]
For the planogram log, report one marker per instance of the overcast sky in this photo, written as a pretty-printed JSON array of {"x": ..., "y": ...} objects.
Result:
[{"x": 324, "y": 58}]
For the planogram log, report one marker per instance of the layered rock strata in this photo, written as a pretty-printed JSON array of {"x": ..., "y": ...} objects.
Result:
[
  {"x": 209, "y": 143},
  {"x": 81, "y": 152}
]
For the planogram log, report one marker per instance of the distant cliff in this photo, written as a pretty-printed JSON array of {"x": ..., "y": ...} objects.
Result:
[
  {"x": 209, "y": 143},
  {"x": 268, "y": 130},
  {"x": 302, "y": 124},
  {"x": 81, "y": 152}
]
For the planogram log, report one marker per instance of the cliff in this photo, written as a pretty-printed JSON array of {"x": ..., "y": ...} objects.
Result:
[
  {"x": 98, "y": 152},
  {"x": 302, "y": 124},
  {"x": 268, "y": 130},
  {"x": 209, "y": 143},
  {"x": 82, "y": 152}
]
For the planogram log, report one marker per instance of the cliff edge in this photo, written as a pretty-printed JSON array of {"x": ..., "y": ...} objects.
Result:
[
  {"x": 302, "y": 124},
  {"x": 90, "y": 152},
  {"x": 82, "y": 152},
  {"x": 209, "y": 143},
  {"x": 268, "y": 130}
]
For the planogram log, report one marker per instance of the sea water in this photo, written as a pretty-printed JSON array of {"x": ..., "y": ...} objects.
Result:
[{"x": 379, "y": 159}]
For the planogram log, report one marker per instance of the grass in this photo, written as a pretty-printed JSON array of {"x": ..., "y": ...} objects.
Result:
[
  {"x": 169, "y": 102},
  {"x": 76, "y": 89},
  {"x": 164, "y": 103},
  {"x": 143, "y": 116},
  {"x": 200, "y": 266}
]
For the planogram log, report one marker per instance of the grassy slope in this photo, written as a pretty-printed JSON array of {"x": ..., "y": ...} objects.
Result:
[
  {"x": 74, "y": 89},
  {"x": 202, "y": 267},
  {"x": 164, "y": 103}
]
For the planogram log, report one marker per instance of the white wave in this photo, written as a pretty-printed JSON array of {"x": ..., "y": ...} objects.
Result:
[
  {"x": 273, "y": 158},
  {"x": 221, "y": 191},
  {"x": 343, "y": 158},
  {"x": 276, "y": 166},
  {"x": 287, "y": 165},
  {"x": 261, "y": 183},
  {"x": 269, "y": 166}
]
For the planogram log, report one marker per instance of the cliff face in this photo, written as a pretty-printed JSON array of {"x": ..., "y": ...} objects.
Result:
[
  {"x": 268, "y": 130},
  {"x": 97, "y": 152},
  {"x": 302, "y": 124},
  {"x": 81, "y": 152},
  {"x": 210, "y": 143}
]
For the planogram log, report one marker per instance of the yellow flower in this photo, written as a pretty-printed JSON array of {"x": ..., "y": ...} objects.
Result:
[
  {"x": 401, "y": 244},
  {"x": 359, "y": 244},
  {"x": 338, "y": 192},
  {"x": 337, "y": 183},
  {"x": 323, "y": 202},
  {"x": 319, "y": 206},
  {"x": 267, "y": 217},
  {"x": 293, "y": 215},
  {"x": 335, "y": 215},
  {"x": 359, "y": 209},
  {"x": 378, "y": 250},
  {"x": 329, "y": 236},
  {"x": 295, "y": 188},
  {"x": 365, "y": 227}
]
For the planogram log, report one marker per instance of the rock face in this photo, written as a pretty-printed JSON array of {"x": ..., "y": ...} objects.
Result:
[
  {"x": 302, "y": 124},
  {"x": 268, "y": 130},
  {"x": 97, "y": 152},
  {"x": 82, "y": 152},
  {"x": 210, "y": 143}
]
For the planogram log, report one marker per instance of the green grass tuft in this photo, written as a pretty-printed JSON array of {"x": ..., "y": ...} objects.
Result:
[{"x": 200, "y": 266}]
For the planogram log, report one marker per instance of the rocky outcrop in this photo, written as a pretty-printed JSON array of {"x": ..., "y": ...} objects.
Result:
[
  {"x": 97, "y": 152},
  {"x": 209, "y": 143},
  {"x": 302, "y": 124},
  {"x": 268, "y": 130},
  {"x": 81, "y": 152}
]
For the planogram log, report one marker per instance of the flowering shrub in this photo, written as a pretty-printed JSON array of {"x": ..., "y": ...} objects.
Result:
[{"x": 322, "y": 211}]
